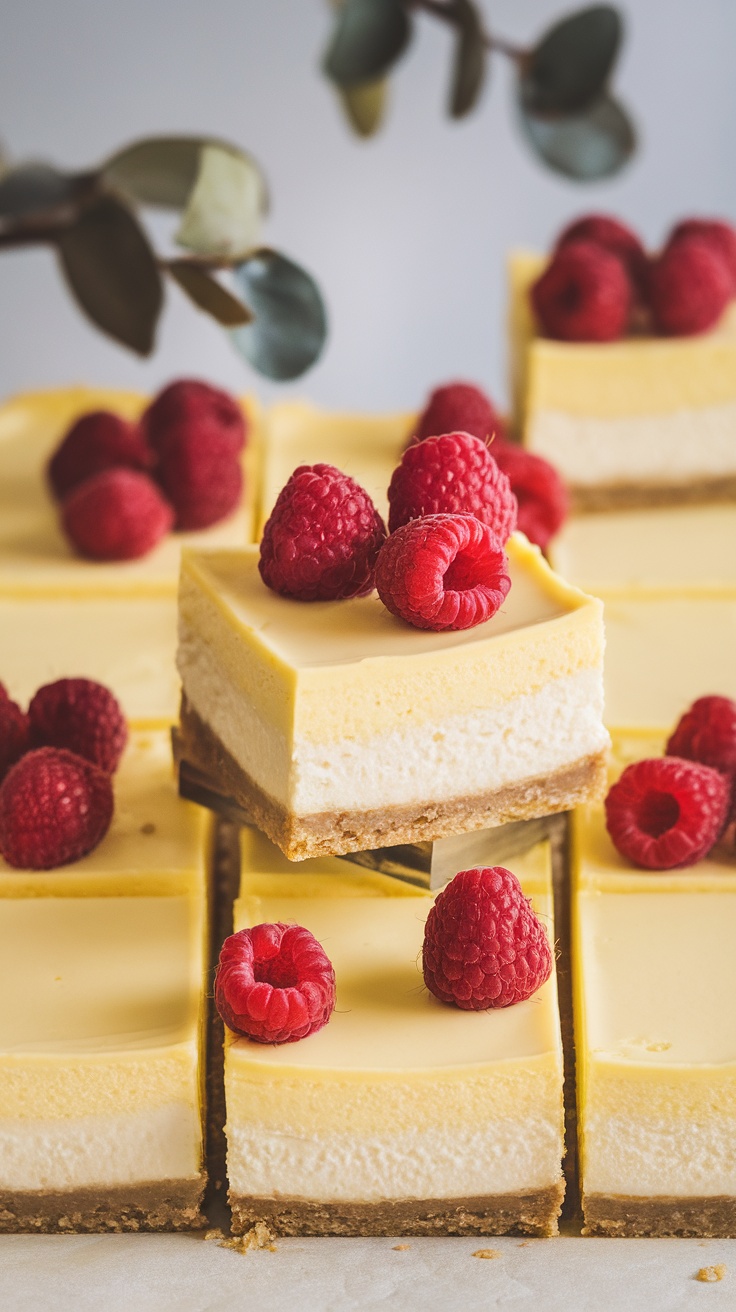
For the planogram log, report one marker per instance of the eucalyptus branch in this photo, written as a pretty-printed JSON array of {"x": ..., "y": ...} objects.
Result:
[{"x": 448, "y": 13}]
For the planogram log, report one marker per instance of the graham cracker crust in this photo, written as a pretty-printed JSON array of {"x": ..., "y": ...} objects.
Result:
[
  {"x": 533, "y": 1213},
  {"x": 619, "y": 1215},
  {"x": 333, "y": 833},
  {"x": 170, "y": 1205},
  {"x": 640, "y": 496}
]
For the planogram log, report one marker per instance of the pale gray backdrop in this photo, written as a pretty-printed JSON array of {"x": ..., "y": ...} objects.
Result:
[{"x": 406, "y": 233}]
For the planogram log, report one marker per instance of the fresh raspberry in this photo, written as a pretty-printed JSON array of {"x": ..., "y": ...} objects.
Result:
[
  {"x": 55, "y": 807},
  {"x": 584, "y": 295},
  {"x": 718, "y": 234},
  {"x": 689, "y": 287},
  {"x": 274, "y": 983},
  {"x": 667, "y": 812},
  {"x": 443, "y": 572},
  {"x": 116, "y": 515},
  {"x": 82, "y": 716},
  {"x": 15, "y": 733},
  {"x": 97, "y": 441},
  {"x": 483, "y": 944},
  {"x": 197, "y": 407},
  {"x": 459, "y": 408},
  {"x": 540, "y": 493},
  {"x": 613, "y": 236},
  {"x": 322, "y": 537},
  {"x": 201, "y": 475},
  {"x": 707, "y": 733},
  {"x": 452, "y": 474}
]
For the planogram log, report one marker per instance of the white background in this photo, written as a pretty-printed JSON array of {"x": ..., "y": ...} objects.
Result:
[{"x": 406, "y": 233}]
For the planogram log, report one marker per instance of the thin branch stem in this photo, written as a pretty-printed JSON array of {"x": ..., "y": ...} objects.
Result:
[{"x": 446, "y": 13}]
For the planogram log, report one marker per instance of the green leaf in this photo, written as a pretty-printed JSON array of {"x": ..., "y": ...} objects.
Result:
[
  {"x": 163, "y": 170},
  {"x": 224, "y": 210},
  {"x": 208, "y": 294},
  {"x": 586, "y": 146},
  {"x": 289, "y": 330},
  {"x": 34, "y": 188},
  {"x": 368, "y": 38},
  {"x": 112, "y": 272},
  {"x": 470, "y": 62},
  {"x": 570, "y": 67},
  {"x": 365, "y": 105}
]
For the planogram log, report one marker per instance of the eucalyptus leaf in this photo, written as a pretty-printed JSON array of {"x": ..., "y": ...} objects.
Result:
[
  {"x": 586, "y": 146},
  {"x": 224, "y": 210},
  {"x": 208, "y": 294},
  {"x": 365, "y": 105},
  {"x": 112, "y": 272},
  {"x": 470, "y": 62},
  {"x": 163, "y": 170},
  {"x": 368, "y": 38},
  {"x": 570, "y": 67},
  {"x": 31, "y": 189},
  {"x": 289, "y": 330}
]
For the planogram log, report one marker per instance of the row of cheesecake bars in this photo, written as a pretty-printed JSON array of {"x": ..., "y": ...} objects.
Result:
[{"x": 486, "y": 1154}]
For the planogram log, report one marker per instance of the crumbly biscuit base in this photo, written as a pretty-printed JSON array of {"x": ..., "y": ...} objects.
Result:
[
  {"x": 639, "y": 496},
  {"x": 332, "y": 833},
  {"x": 529, "y": 1213},
  {"x": 169, "y": 1205},
  {"x": 623, "y": 1216}
]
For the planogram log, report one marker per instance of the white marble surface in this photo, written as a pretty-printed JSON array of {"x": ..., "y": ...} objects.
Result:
[{"x": 184, "y": 1273}]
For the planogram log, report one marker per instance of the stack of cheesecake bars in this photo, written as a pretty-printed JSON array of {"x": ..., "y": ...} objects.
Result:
[{"x": 367, "y": 763}]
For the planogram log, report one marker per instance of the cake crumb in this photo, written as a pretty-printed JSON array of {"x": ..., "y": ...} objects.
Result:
[
  {"x": 258, "y": 1238},
  {"x": 486, "y": 1252},
  {"x": 401, "y": 1248},
  {"x": 710, "y": 1274}
]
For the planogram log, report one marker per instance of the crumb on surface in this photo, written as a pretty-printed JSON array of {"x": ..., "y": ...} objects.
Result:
[
  {"x": 401, "y": 1248},
  {"x": 258, "y": 1238},
  {"x": 486, "y": 1252},
  {"x": 709, "y": 1274}
]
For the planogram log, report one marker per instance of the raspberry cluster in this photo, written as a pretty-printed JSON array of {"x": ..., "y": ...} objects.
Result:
[
  {"x": 122, "y": 486},
  {"x": 601, "y": 282},
  {"x": 669, "y": 812},
  {"x": 56, "y": 766}
]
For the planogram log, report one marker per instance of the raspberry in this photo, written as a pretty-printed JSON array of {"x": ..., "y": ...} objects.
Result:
[
  {"x": 54, "y": 808},
  {"x": 116, "y": 515},
  {"x": 689, "y": 287},
  {"x": 667, "y": 813},
  {"x": 612, "y": 236},
  {"x": 274, "y": 983},
  {"x": 584, "y": 295},
  {"x": 483, "y": 944},
  {"x": 721, "y": 236},
  {"x": 197, "y": 407},
  {"x": 459, "y": 408},
  {"x": 15, "y": 735},
  {"x": 707, "y": 733},
  {"x": 201, "y": 475},
  {"x": 82, "y": 716},
  {"x": 452, "y": 474},
  {"x": 99, "y": 440},
  {"x": 322, "y": 538},
  {"x": 443, "y": 572},
  {"x": 540, "y": 493}
]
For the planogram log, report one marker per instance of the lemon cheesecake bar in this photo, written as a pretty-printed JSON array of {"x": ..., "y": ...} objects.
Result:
[
  {"x": 338, "y": 728},
  {"x": 653, "y": 970},
  {"x": 645, "y": 420},
  {"x": 100, "y": 1063},
  {"x": 667, "y": 577},
  {"x": 402, "y": 1115}
]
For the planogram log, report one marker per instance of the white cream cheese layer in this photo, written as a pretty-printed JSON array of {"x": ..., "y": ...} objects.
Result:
[
  {"x": 144, "y": 1145},
  {"x": 591, "y": 451}
]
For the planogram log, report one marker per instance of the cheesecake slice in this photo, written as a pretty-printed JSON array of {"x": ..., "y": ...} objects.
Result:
[
  {"x": 157, "y": 844},
  {"x": 402, "y": 1115},
  {"x": 100, "y": 1063},
  {"x": 338, "y": 728},
  {"x": 654, "y": 969},
  {"x": 643, "y": 421},
  {"x": 35, "y": 556},
  {"x": 667, "y": 577}
]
